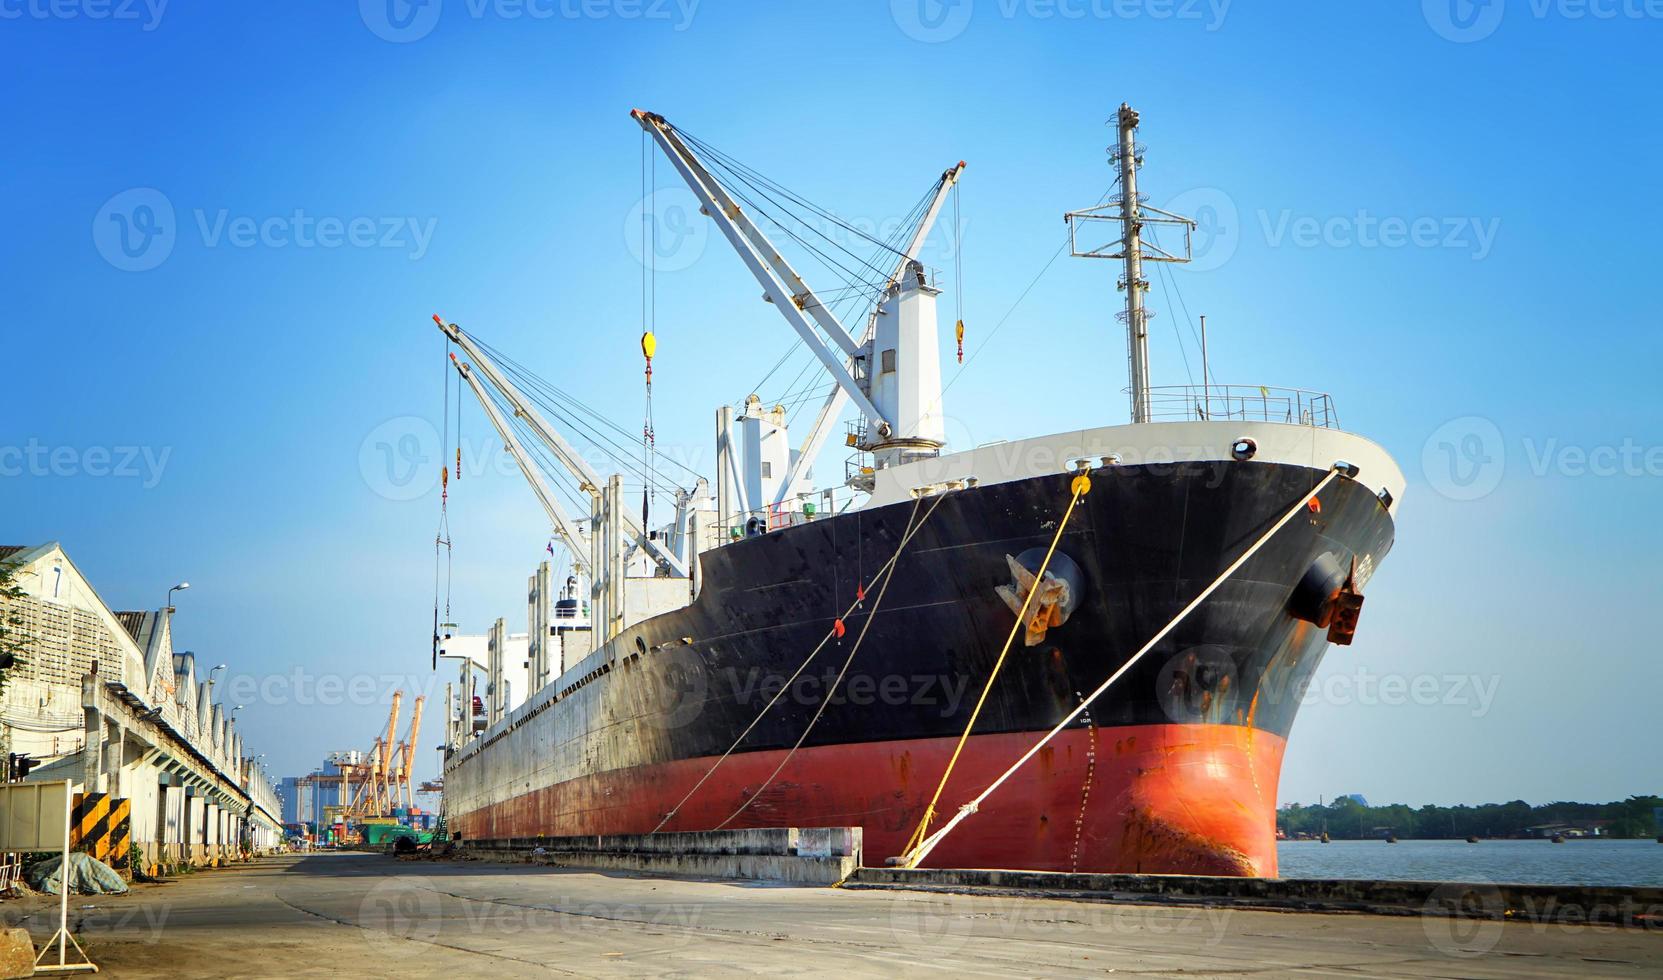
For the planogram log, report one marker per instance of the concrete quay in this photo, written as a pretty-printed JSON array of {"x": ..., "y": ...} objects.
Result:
[
  {"x": 1640, "y": 907},
  {"x": 349, "y": 913},
  {"x": 798, "y": 855}
]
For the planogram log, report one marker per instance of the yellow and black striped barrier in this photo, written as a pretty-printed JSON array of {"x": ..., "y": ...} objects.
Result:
[{"x": 102, "y": 826}]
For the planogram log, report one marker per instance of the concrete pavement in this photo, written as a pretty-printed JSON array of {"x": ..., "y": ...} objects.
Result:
[{"x": 336, "y": 914}]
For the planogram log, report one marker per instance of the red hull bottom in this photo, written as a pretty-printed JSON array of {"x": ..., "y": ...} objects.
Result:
[{"x": 1161, "y": 799}]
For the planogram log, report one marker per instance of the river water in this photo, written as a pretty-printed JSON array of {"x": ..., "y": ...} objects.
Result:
[{"x": 1575, "y": 862}]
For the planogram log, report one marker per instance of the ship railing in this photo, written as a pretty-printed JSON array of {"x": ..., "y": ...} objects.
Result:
[
  {"x": 1242, "y": 403},
  {"x": 803, "y": 508},
  {"x": 858, "y": 472}
]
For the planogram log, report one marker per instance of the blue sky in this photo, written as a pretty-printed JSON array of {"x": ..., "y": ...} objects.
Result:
[{"x": 260, "y": 346}]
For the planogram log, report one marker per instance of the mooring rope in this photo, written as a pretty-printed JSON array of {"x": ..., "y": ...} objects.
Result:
[
  {"x": 918, "y": 853},
  {"x": 1080, "y": 487},
  {"x": 838, "y": 681},
  {"x": 914, "y": 525}
]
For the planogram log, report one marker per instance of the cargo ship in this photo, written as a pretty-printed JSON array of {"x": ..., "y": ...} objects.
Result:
[{"x": 1085, "y": 649}]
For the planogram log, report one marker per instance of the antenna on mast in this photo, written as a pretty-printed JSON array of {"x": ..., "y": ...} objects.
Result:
[{"x": 1129, "y": 210}]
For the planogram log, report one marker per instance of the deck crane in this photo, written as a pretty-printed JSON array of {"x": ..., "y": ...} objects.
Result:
[
  {"x": 892, "y": 374},
  {"x": 619, "y": 593},
  {"x": 587, "y": 478},
  {"x": 570, "y": 534},
  {"x": 835, "y": 402}
]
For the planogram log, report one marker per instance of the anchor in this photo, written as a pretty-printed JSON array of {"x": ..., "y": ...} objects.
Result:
[{"x": 1055, "y": 596}]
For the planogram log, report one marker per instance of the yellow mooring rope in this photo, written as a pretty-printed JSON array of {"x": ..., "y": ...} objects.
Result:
[{"x": 1080, "y": 487}]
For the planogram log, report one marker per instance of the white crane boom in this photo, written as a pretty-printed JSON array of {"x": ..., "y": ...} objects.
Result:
[
  {"x": 570, "y": 534},
  {"x": 832, "y": 407},
  {"x": 588, "y": 480},
  {"x": 949, "y": 179},
  {"x": 780, "y": 282}
]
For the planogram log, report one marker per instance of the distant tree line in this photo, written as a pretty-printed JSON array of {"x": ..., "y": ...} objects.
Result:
[
  {"x": 14, "y": 642},
  {"x": 1346, "y": 819}
]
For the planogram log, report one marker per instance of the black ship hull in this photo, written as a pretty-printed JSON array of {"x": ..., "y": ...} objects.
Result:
[{"x": 1174, "y": 769}]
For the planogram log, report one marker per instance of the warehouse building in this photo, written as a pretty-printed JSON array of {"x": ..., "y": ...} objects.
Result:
[{"x": 102, "y": 699}]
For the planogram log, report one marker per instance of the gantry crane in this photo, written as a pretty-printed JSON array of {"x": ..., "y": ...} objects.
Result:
[
  {"x": 376, "y": 787},
  {"x": 369, "y": 797},
  {"x": 407, "y": 757}
]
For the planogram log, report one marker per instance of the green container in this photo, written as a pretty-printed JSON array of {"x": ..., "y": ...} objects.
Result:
[{"x": 378, "y": 834}]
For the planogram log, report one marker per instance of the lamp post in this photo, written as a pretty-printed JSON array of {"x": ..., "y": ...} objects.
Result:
[{"x": 168, "y": 604}]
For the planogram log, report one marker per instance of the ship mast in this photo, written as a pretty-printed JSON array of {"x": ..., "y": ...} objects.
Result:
[
  {"x": 1132, "y": 281},
  {"x": 1128, "y": 210}
]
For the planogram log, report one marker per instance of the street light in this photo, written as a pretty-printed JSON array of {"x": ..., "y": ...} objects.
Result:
[{"x": 182, "y": 586}]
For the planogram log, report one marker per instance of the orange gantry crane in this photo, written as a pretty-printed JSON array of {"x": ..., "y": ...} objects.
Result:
[
  {"x": 407, "y": 756},
  {"x": 379, "y": 785}
]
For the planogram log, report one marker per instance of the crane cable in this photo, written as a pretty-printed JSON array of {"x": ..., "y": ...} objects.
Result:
[
  {"x": 958, "y": 271},
  {"x": 917, "y": 853},
  {"x": 854, "y": 289},
  {"x": 1063, "y": 247},
  {"x": 566, "y": 408},
  {"x": 441, "y": 538},
  {"x": 854, "y": 294},
  {"x": 649, "y": 317},
  {"x": 1080, "y": 486},
  {"x": 837, "y": 682},
  {"x": 837, "y": 630},
  {"x": 649, "y": 346}
]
